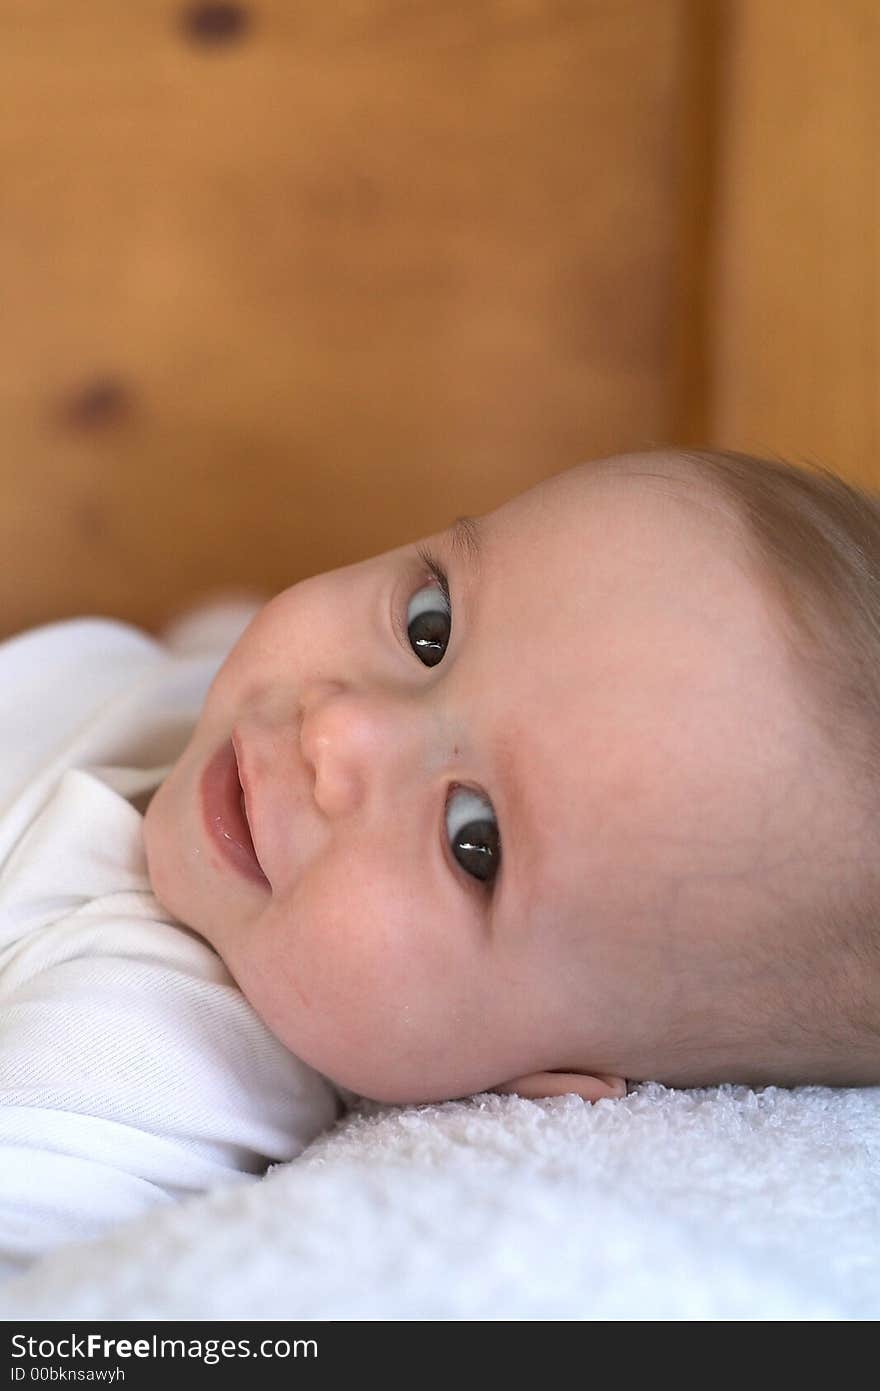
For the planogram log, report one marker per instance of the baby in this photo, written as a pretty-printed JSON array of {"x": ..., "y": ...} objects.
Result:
[{"x": 577, "y": 792}]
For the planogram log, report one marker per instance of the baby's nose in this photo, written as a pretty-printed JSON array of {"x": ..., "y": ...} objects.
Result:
[{"x": 348, "y": 739}]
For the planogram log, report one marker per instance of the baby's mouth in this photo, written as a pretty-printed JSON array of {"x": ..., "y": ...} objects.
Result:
[
  {"x": 242, "y": 803},
  {"x": 244, "y": 816},
  {"x": 224, "y": 811}
]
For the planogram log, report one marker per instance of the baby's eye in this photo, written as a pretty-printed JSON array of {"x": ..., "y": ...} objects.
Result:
[
  {"x": 429, "y": 623},
  {"x": 473, "y": 833}
]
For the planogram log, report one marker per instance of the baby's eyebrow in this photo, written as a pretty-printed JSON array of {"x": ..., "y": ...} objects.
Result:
[{"x": 465, "y": 540}]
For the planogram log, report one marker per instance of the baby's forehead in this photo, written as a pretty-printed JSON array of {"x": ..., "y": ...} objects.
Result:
[
  {"x": 661, "y": 495},
  {"x": 649, "y": 658},
  {"x": 619, "y": 551}
]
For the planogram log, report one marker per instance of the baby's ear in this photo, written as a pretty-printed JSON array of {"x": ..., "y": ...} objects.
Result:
[{"x": 540, "y": 1084}]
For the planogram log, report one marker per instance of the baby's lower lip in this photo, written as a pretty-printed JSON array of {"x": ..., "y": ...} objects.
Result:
[{"x": 223, "y": 815}]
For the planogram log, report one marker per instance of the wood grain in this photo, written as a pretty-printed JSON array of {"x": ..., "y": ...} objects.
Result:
[
  {"x": 796, "y": 317},
  {"x": 278, "y": 298}
]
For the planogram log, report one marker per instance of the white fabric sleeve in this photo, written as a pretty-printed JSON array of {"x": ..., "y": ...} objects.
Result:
[{"x": 133, "y": 1073}]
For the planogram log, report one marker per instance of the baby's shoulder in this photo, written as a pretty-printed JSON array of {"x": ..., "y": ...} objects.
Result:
[{"x": 124, "y": 936}]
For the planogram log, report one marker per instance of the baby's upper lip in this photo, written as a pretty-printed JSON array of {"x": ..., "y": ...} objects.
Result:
[
  {"x": 279, "y": 801},
  {"x": 246, "y": 789}
]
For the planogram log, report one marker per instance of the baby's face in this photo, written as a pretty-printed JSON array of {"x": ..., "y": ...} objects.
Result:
[{"x": 501, "y": 833}]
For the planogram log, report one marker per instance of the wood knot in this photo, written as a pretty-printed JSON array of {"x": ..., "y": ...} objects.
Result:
[
  {"x": 104, "y": 401},
  {"x": 214, "y": 23}
]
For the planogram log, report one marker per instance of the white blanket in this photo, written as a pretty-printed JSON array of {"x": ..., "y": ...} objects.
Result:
[{"x": 718, "y": 1203}]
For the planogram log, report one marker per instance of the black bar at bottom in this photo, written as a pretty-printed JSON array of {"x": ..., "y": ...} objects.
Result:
[{"x": 133, "y": 1354}]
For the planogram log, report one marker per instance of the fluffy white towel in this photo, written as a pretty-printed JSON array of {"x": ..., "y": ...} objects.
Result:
[{"x": 717, "y": 1203}]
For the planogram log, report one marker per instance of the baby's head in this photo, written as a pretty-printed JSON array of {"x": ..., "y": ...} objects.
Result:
[{"x": 606, "y": 810}]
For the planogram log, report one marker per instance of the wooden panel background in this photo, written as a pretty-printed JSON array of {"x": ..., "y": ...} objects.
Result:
[
  {"x": 283, "y": 285},
  {"x": 795, "y": 335}
]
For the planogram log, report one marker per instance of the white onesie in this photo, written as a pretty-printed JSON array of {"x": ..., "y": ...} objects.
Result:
[{"x": 132, "y": 1070}]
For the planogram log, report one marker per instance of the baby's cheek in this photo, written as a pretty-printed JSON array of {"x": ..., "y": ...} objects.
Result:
[
  {"x": 327, "y": 978},
  {"x": 374, "y": 987}
]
